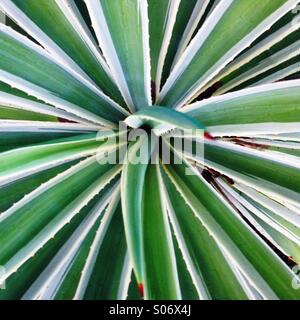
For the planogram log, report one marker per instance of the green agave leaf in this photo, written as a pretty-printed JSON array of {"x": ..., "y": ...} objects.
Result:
[
  {"x": 183, "y": 16},
  {"x": 81, "y": 5},
  {"x": 22, "y": 162},
  {"x": 122, "y": 31},
  {"x": 281, "y": 72},
  {"x": 160, "y": 277},
  {"x": 23, "y": 61},
  {"x": 261, "y": 66},
  {"x": 286, "y": 36},
  {"x": 264, "y": 134},
  {"x": 229, "y": 29},
  {"x": 21, "y": 103},
  {"x": 187, "y": 287},
  {"x": 132, "y": 181},
  {"x": 4, "y": 87},
  {"x": 82, "y": 183},
  {"x": 83, "y": 267},
  {"x": 67, "y": 286},
  {"x": 285, "y": 233},
  {"x": 291, "y": 248},
  {"x": 20, "y": 134},
  {"x": 17, "y": 134},
  {"x": 15, "y": 191},
  {"x": 287, "y": 196},
  {"x": 147, "y": 253},
  {"x": 272, "y": 173},
  {"x": 162, "y": 18},
  {"x": 280, "y": 212},
  {"x": 224, "y": 224},
  {"x": 259, "y": 164},
  {"x": 55, "y": 25},
  {"x": 17, "y": 114},
  {"x": 198, "y": 15},
  {"x": 104, "y": 277},
  {"x": 270, "y": 103},
  {"x": 210, "y": 270},
  {"x": 282, "y": 34},
  {"x": 22, "y": 283},
  {"x": 274, "y": 232}
]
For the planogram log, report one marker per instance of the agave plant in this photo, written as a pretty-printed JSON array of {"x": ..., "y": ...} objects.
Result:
[{"x": 221, "y": 226}]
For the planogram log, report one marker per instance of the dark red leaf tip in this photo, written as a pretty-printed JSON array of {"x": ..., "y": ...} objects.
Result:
[
  {"x": 141, "y": 289},
  {"x": 208, "y": 136}
]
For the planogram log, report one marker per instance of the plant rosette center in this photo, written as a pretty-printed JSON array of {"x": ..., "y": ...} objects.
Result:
[{"x": 163, "y": 133}]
